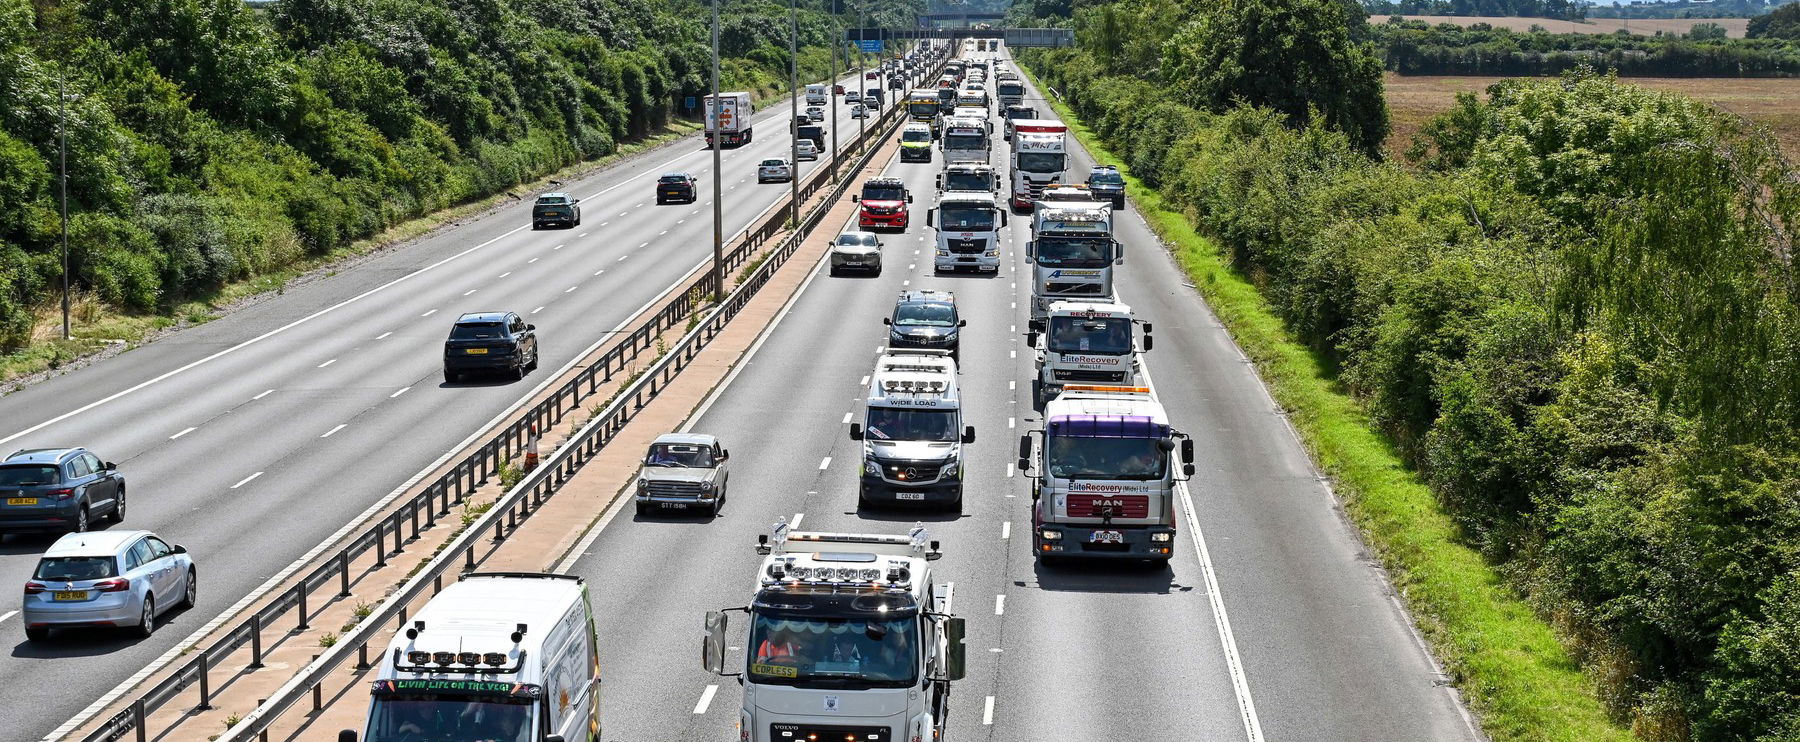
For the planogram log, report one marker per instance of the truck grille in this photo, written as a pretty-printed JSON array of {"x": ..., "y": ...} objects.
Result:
[
  {"x": 1123, "y": 506},
  {"x": 660, "y": 488},
  {"x": 968, "y": 247},
  {"x": 1076, "y": 289},
  {"x": 900, "y": 471},
  {"x": 1116, "y": 377}
]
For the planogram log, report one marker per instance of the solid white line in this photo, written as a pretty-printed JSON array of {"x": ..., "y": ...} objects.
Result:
[
  {"x": 384, "y": 335},
  {"x": 571, "y": 288},
  {"x": 539, "y": 309},
  {"x": 8, "y": 614},
  {"x": 794, "y": 525},
  {"x": 340, "y": 426},
  {"x": 327, "y": 363},
  {"x": 705, "y": 699},
  {"x": 428, "y": 314},
  {"x": 182, "y": 433},
  {"x": 266, "y": 392},
  {"x": 1006, "y": 530},
  {"x": 848, "y": 416},
  {"x": 246, "y": 480},
  {"x": 825, "y": 463},
  {"x": 470, "y": 291},
  {"x": 987, "y": 711},
  {"x": 1000, "y": 605},
  {"x": 398, "y": 393}
]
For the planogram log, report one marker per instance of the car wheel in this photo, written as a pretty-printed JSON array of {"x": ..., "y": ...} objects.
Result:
[
  {"x": 191, "y": 595},
  {"x": 118, "y": 513},
  {"x": 147, "y": 619},
  {"x": 37, "y": 633},
  {"x": 518, "y": 372},
  {"x": 534, "y": 359},
  {"x": 81, "y": 520}
]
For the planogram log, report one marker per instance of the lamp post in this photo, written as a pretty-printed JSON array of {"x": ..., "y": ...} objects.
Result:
[
  {"x": 833, "y": 82},
  {"x": 62, "y": 147},
  {"x": 718, "y": 107},
  {"x": 794, "y": 111}
]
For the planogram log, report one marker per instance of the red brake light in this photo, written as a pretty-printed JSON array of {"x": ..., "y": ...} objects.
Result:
[
  {"x": 62, "y": 494},
  {"x": 114, "y": 585},
  {"x": 33, "y": 588}
]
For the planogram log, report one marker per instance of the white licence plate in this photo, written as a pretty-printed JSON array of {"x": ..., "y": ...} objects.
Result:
[
  {"x": 909, "y": 495},
  {"x": 1108, "y": 537}
]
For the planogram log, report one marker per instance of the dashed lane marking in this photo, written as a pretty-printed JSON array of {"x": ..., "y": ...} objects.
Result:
[
  {"x": 403, "y": 390},
  {"x": 246, "y": 480},
  {"x": 332, "y": 431},
  {"x": 182, "y": 433}
]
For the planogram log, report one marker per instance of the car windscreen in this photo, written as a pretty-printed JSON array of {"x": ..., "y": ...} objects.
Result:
[
  {"x": 478, "y": 331},
  {"x": 1106, "y": 458},
  {"x": 73, "y": 569},
  {"x": 966, "y": 218},
  {"x": 773, "y": 163},
  {"x": 680, "y": 455},
  {"x": 1107, "y": 177},
  {"x": 965, "y": 141},
  {"x": 915, "y": 136},
  {"x": 883, "y": 193},
  {"x": 552, "y": 201},
  {"x": 676, "y": 179},
  {"x": 924, "y": 314},
  {"x": 1107, "y": 335},
  {"x": 908, "y": 424},
  {"x": 27, "y": 475},
  {"x": 856, "y": 239}
]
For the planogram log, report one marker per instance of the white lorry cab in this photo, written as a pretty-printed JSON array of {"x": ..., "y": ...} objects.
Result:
[
  {"x": 968, "y": 228},
  {"x": 965, "y": 138},
  {"x": 496, "y": 656},
  {"x": 1072, "y": 253},
  {"x": 969, "y": 176},
  {"x": 912, "y": 431},
  {"x": 850, "y": 639},
  {"x": 1039, "y": 157},
  {"x": 1087, "y": 342}
]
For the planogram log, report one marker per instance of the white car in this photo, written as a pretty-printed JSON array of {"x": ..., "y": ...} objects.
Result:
[
  {"x": 856, "y": 251},
  {"x": 859, "y": 112},
  {"x": 806, "y": 150},
  {"x": 107, "y": 578},
  {"x": 774, "y": 169},
  {"x": 852, "y": 97},
  {"x": 815, "y": 113}
]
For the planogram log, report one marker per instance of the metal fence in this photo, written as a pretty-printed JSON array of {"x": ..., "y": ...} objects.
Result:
[{"x": 390, "y": 533}]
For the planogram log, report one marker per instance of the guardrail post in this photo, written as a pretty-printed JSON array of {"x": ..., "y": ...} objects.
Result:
[
  {"x": 362, "y": 657},
  {"x": 430, "y": 512},
  {"x": 415, "y": 517},
  {"x": 256, "y": 654},
  {"x": 397, "y": 545},
  {"x": 300, "y": 592},
  {"x": 205, "y": 687},
  {"x": 137, "y": 719},
  {"x": 344, "y": 573},
  {"x": 380, "y": 543}
]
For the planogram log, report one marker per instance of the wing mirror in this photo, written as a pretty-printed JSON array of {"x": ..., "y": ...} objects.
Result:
[
  {"x": 1024, "y": 449},
  {"x": 968, "y": 434},
  {"x": 1031, "y": 338},
  {"x": 1149, "y": 343},
  {"x": 856, "y": 431},
  {"x": 855, "y": 198},
  {"x": 109, "y": 466},
  {"x": 347, "y": 735},
  {"x": 712, "y": 648},
  {"x": 962, "y": 323},
  {"x": 887, "y": 321},
  {"x": 909, "y": 198},
  {"x": 531, "y": 328},
  {"x": 955, "y": 659},
  {"x": 1187, "y": 453},
  {"x": 178, "y": 549}
]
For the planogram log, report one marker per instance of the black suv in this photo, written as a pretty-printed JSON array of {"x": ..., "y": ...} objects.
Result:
[
  {"x": 676, "y": 187},
  {"x": 1014, "y": 113},
  {"x": 1107, "y": 185},
  {"x": 926, "y": 319},
  {"x": 58, "y": 489},
  {"x": 556, "y": 208},
  {"x": 490, "y": 341}
]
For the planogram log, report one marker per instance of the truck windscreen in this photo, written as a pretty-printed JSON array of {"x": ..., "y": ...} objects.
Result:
[
  {"x": 966, "y": 218},
  {"x": 840, "y": 652},
  {"x": 955, "y": 181},
  {"x": 965, "y": 141},
  {"x": 451, "y": 710},
  {"x": 1073, "y": 457},
  {"x": 1041, "y": 162},
  {"x": 1107, "y": 336},
  {"x": 898, "y": 424},
  {"x": 1074, "y": 252},
  {"x": 915, "y": 136}
]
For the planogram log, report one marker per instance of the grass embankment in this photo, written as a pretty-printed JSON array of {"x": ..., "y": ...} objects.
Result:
[
  {"x": 1517, "y": 676},
  {"x": 96, "y": 325}
]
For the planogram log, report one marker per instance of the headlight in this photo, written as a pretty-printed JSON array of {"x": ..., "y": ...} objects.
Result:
[
  {"x": 993, "y": 253},
  {"x": 1049, "y": 535},
  {"x": 943, "y": 253},
  {"x": 871, "y": 468},
  {"x": 642, "y": 485},
  {"x": 1162, "y": 537}
]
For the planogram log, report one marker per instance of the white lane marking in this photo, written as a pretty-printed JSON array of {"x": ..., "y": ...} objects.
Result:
[
  {"x": 182, "y": 433},
  {"x": 643, "y": 245},
  {"x": 622, "y": 258},
  {"x": 1006, "y": 530},
  {"x": 695, "y": 211},
  {"x": 571, "y": 288},
  {"x": 906, "y": 283},
  {"x": 8, "y": 614},
  {"x": 680, "y": 221},
  {"x": 470, "y": 291},
  {"x": 1012, "y": 384},
  {"x": 584, "y": 234},
  {"x": 428, "y": 314},
  {"x": 624, "y": 213},
  {"x": 604, "y": 223},
  {"x": 1012, "y": 328},
  {"x": 403, "y": 390},
  {"x": 1012, "y": 422},
  {"x": 987, "y": 712},
  {"x": 1013, "y": 353},
  {"x": 1000, "y": 605},
  {"x": 327, "y": 363},
  {"x": 559, "y": 247},
  {"x": 848, "y": 416},
  {"x": 533, "y": 260},
  {"x": 329, "y": 433},
  {"x": 705, "y": 699},
  {"x": 539, "y": 309},
  {"x": 503, "y": 275},
  {"x": 865, "y": 379},
  {"x": 384, "y": 335},
  {"x": 949, "y": 595},
  {"x": 1009, "y": 471},
  {"x": 824, "y": 463},
  {"x": 910, "y": 266},
  {"x": 266, "y": 392},
  {"x": 794, "y": 525},
  {"x": 639, "y": 206},
  {"x": 246, "y": 480},
  {"x": 598, "y": 272},
  {"x": 659, "y": 234}
]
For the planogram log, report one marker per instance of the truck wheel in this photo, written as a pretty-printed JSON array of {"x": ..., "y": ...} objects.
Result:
[
  {"x": 956, "y": 507},
  {"x": 862, "y": 497}
]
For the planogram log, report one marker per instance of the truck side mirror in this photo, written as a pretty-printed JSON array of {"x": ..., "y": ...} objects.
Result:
[
  {"x": 1119, "y": 251},
  {"x": 1031, "y": 251},
  {"x": 1031, "y": 338},
  {"x": 1024, "y": 448},
  {"x": 968, "y": 434},
  {"x": 1148, "y": 344},
  {"x": 955, "y": 659},
  {"x": 909, "y": 198},
  {"x": 553, "y": 738},
  {"x": 1146, "y": 328},
  {"x": 1187, "y": 452},
  {"x": 931, "y": 218},
  {"x": 712, "y": 651},
  {"x": 1002, "y": 217},
  {"x": 346, "y": 735},
  {"x": 856, "y": 431}
]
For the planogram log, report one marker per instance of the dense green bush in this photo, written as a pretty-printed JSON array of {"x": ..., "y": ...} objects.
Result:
[
  {"x": 1576, "y": 314},
  {"x": 1419, "y": 48}
]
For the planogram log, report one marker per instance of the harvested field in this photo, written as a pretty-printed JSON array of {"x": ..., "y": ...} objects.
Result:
[
  {"x": 1734, "y": 27},
  {"x": 1774, "y": 103}
]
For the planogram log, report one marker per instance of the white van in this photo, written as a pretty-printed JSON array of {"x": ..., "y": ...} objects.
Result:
[
  {"x": 816, "y": 96},
  {"x": 497, "y": 656}
]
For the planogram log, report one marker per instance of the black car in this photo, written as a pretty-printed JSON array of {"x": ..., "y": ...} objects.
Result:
[
  {"x": 556, "y": 208},
  {"x": 925, "y": 319},
  {"x": 813, "y": 132},
  {"x": 1106, "y": 184},
  {"x": 58, "y": 489},
  {"x": 490, "y": 341},
  {"x": 673, "y": 187}
]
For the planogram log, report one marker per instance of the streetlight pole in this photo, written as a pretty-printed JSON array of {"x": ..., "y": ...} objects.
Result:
[
  {"x": 861, "y": 31},
  {"x": 62, "y": 146},
  {"x": 794, "y": 111},
  {"x": 833, "y": 82},
  {"x": 718, "y": 108}
]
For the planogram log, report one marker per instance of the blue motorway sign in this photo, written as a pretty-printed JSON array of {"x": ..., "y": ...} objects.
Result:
[{"x": 872, "y": 46}]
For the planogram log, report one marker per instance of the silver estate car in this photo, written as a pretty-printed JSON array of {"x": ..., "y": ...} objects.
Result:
[{"x": 107, "y": 578}]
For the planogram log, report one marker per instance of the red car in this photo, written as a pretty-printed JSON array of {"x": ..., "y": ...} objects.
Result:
[{"x": 884, "y": 204}]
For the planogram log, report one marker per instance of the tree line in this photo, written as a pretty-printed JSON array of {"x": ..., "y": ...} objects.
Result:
[
  {"x": 1419, "y": 48},
  {"x": 1574, "y": 309}
]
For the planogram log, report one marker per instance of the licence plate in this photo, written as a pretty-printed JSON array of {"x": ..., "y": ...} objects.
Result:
[
  {"x": 1108, "y": 537},
  {"x": 681, "y": 505},
  {"x": 69, "y": 595},
  {"x": 909, "y": 495},
  {"x": 476, "y": 351},
  {"x": 21, "y": 501}
]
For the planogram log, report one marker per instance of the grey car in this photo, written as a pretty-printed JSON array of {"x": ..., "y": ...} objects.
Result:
[
  {"x": 119, "y": 579},
  {"x": 681, "y": 471},
  {"x": 856, "y": 251},
  {"x": 58, "y": 489}
]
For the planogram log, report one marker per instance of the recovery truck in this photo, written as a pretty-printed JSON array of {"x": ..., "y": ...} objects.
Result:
[
  {"x": 1103, "y": 484},
  {"x": 850, "y": 639},
  {"x": 1072, "y": 253},
  {"x": 729, "y": 122},
  {"x": 913, "y": 433},
  {"x": 1039, "y": 157},
  {"x": 970, "y": 176},
  {"x": 968, "y": 231},
  {"x": 1086, "y": 342}
]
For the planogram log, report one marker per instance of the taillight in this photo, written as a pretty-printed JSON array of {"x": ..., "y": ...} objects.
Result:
[
  {"x": 62, "y": 494},
  {"x": 114, "y": 585},
  {"x": 33, "y": 588}
]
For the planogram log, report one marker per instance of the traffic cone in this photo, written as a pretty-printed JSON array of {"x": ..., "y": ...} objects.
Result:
[{"x": 531, "y": 449}]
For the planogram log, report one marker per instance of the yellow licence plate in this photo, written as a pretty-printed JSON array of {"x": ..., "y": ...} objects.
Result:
[
  {"x": 70, "y": 595},
  {"x": 476, "y": 351},
  {"x": 21, "y": 501}
]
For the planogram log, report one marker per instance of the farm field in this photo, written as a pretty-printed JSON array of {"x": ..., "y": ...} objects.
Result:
[
  {"x": 1734, "y": 27},
  {"x": 1774, "y": 103}
]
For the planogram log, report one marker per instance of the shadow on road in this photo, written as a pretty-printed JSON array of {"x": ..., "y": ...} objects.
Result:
[{"x": 1104, "y": 577}]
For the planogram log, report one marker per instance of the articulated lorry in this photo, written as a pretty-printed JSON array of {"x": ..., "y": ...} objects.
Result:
[
  {"x": 729, "y": 122},
  {"x": 1086, "y": 342},
  {"x": 1039, "y": 157},
  {"x": 1072, "y": 253},
  {"x": 1103, "y": 482},
  {"x": 850, "y": 639}
]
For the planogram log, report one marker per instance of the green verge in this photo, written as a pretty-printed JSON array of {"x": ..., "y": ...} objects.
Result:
[
  {"x": 96, "y": 326},
  {"x": 1519, "y": 680}
]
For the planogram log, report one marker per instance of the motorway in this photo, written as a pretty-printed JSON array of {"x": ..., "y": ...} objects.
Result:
[
  {"x": 252, "y": 438},
  {"x": 1284, "y": 631}
]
